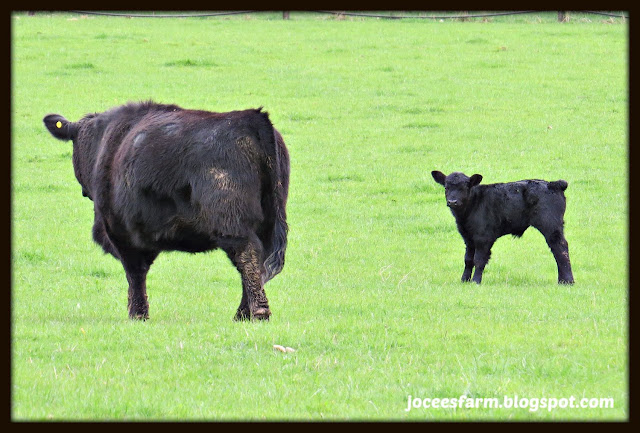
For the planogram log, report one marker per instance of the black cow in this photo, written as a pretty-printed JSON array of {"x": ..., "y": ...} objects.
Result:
[
  {"x": 164, "y": 178},
  {"x": 484, "y": 213}
]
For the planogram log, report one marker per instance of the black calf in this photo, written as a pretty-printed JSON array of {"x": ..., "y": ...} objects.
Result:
[{"x": 484, "y": 213}]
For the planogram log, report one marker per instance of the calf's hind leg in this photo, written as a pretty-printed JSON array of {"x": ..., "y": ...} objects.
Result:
[{"x": 560, "y": 249}]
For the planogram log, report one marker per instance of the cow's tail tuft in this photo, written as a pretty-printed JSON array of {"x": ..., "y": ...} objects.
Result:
[
  {"x": 60, "y": 127},
  {"x": 276, "y": 244},
  {"x": 558, "y": 185}
]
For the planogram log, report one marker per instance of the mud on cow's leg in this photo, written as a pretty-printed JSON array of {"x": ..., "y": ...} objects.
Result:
[
  {"x": 246, "y": 255},
  {"x": 243, "y": 312}
]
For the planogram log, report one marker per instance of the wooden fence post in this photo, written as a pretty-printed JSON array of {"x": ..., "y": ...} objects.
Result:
[
  {"x": 285, "y": 15},
  {"x": 562, "y": 16}
]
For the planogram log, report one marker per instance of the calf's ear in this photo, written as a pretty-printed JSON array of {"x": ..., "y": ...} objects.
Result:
[
  {"x": 438, "y": 176},
  {"x": 475, "y": 180}
]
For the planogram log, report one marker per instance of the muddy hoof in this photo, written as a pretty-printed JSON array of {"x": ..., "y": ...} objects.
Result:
[
  {"x": 139, "y": 316},
  {"x": 138, "y": 309},
  {"x": 242, "y": 315},
  {"x": 261, "y": 314}
]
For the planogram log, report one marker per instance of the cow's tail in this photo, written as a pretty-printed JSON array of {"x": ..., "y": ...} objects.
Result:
[
  {"x": 60, "y": 127},
  {"x": 275, "y": 238},
  {"x": 558, "y": 185}
]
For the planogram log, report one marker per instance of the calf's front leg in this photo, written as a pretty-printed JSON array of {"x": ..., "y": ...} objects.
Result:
[
  {"x": 468, "y": 263},
  {"x": 480, "y": 259}
]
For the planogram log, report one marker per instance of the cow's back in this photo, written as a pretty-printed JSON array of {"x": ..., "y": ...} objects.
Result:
[{"x": 181, "y": 178}]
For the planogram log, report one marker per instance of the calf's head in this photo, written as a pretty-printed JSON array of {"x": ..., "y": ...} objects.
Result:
[{"x": 457, "y": 187}]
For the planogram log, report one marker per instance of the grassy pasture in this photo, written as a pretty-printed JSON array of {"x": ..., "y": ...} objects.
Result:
[{"x": 370, "y": 296}]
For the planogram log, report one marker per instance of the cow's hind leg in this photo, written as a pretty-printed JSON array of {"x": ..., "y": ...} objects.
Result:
[
  {"x": 101, "y": 237},
  {"x": 136, "y": 265},
  {"x": 247, "y": 255},
  {"x": 243, "y": 312}
]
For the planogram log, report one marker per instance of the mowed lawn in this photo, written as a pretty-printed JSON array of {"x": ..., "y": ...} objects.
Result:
[{"x": 370, "y": 297}]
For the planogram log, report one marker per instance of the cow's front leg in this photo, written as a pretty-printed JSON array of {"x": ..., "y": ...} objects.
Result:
[
  {"x": 247, "y": 257},
  {"x": 468, "y": 263},
  {"x": 480, "y": 259}
]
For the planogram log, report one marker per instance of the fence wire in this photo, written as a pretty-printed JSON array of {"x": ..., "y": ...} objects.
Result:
[
  {"x": 341, "y": 13},
  {"x": 128, "y": 15},
  {"x": 464, "y": 16},
  {"x": 606, "y": 14},
  {"x": 429, "y": 17}
]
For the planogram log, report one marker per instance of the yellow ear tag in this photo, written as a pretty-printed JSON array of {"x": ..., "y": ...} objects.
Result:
[{"x": 59, "y": 124}]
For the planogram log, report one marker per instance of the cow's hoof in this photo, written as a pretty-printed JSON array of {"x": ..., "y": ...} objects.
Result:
[
  {"x": 139, "y": 316},
  {"x": 138, "y": 309},
  {"x": 261, "y": 314},
  {"x": 242, "y": 315}
]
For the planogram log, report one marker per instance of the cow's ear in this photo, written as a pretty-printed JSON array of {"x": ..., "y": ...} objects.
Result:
[
  {"x": 475, "y": 180},
  {"x": 60, "y": 127},
  {"x": 438, "y": 176}
]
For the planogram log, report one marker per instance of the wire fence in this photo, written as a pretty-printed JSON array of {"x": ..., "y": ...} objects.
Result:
[
  {"x": 562, "y": 15},
  {"x": 153, "y": 15},
  {"x": 430, "y": 17}
]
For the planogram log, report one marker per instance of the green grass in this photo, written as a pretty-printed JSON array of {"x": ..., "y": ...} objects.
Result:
[{"x": 370, "y": 296}]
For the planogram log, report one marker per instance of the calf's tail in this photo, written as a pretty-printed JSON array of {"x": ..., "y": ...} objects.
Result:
[
  {"x": 558, "y": 185},
  {"x": 60, "y": 127},
  {"x": 275, "y": 241}
]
